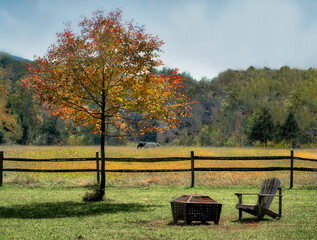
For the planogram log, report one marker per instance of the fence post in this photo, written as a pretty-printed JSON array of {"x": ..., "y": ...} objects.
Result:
[
  {"x": 98, "y": 170},
  {"x": 192, "y": 168},
  {"x": 1, "y": 168},
  {"x": 292, "y": 169}
]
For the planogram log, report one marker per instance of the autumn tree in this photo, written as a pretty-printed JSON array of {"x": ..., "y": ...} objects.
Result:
[
  {"x": 5, "y": 119},
  {"x": 10, "y": 131},
  {"x": 103, "y": 77}
]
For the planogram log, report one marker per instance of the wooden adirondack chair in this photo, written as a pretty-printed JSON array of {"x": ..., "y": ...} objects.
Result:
[{"x": 265, "y": 198}]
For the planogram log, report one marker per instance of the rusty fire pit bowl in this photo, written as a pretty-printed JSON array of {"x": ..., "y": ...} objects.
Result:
[{"x": 195, "y": 207}]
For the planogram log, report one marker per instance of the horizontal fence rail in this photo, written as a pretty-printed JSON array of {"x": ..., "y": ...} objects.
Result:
[
  {"x": 266, "y": 169},
  {"x": 306, "y": 159},
  {"x": 51, "y": 160},
  {"x": 192, "y": 158},
  {"x": 167, "y": 159},
  {"x": 243, "y": 158}
]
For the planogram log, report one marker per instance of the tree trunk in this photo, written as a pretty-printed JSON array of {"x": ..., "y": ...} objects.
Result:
[
  {"x": 102, "y": 169},
  {"x": 102, "y": 147}
]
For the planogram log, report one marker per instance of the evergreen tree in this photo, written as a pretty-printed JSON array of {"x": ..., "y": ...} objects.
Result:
[
  {"x": 278, "y": 133},
  {"x": 290, "y": 129},
  {"x": 205, "y": 136},
  {"x": 261, "y": 127}
]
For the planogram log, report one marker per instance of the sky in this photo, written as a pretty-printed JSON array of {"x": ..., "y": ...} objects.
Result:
[{"x": 202, "y": 37}]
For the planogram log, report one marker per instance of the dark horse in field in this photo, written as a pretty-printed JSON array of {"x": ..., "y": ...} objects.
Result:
[
  {"x": 147, "y": 145},
  {"x": 141, "y": 144}
]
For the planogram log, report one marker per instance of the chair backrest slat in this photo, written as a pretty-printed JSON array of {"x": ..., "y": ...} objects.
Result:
[{"x": 269, "y": 186}]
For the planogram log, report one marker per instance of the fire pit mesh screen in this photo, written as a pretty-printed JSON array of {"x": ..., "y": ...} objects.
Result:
[{"x": 193, "y": 207}]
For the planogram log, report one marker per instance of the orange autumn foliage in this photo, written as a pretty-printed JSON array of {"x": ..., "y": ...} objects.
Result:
[
  {"x": 7, "y": 118},
  {"x": 104, "y": 76}
]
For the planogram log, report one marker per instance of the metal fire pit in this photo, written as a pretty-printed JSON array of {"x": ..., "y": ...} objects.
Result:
[{"x": 195, "y": 207}]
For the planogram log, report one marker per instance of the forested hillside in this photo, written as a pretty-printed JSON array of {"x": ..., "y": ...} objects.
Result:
[
  {"x": 277, "y": 105},
  {"x": 237, "y": 108}
]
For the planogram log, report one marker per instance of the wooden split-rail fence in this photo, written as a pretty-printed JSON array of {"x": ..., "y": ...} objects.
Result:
[{"x": 192, "y": 169}]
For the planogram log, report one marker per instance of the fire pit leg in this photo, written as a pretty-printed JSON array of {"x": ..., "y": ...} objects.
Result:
[
  {"x": 216, "y": 222},
  {"x": 188, "y": 222}
]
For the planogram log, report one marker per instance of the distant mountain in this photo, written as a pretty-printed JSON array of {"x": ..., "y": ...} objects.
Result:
[
  {"x": 12, "y": 56},
  {"x": 12, "y": 68}
]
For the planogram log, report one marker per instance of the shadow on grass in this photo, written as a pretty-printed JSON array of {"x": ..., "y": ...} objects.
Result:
[
  {"x": 195, "y": 223},
  {"x": 69, "y": 209},
  {"x": 250, "y": 220}
]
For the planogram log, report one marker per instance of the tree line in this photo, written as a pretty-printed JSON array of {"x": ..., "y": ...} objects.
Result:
[
  {"x": 236, "y": 108},
  {"x": 255, "y": 107}
]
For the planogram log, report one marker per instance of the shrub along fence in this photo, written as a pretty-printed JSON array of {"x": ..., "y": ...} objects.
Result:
[{"x": 192, "y": 169}]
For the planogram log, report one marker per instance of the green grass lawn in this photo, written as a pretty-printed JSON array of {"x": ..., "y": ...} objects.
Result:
[
  {"x": 145, "y": 213},
  {"x": 137, "y": 206}
]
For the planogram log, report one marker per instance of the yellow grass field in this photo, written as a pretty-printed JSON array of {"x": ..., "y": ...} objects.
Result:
[{"x": 147, "y": 179}]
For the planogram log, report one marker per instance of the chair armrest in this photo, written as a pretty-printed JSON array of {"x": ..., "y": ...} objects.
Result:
[
  {"x": 239, "y": 195},
  {"x": 260, "y": 194},
  {"x": 270, "y": 195},
  {"x": 246, "y": 193}
]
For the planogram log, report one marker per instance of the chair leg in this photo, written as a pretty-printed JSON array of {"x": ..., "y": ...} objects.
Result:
[
  {"x": 240, "y": 214},
  {"x": 280, "y": 203},
  {"x": 260, "y": 214}
]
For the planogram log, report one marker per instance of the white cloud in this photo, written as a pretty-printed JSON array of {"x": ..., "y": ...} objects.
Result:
[
  {"x": 202, "y": 37},
  {"x": 257, "y": 32},
  {"x": 245, "y": 33}
]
